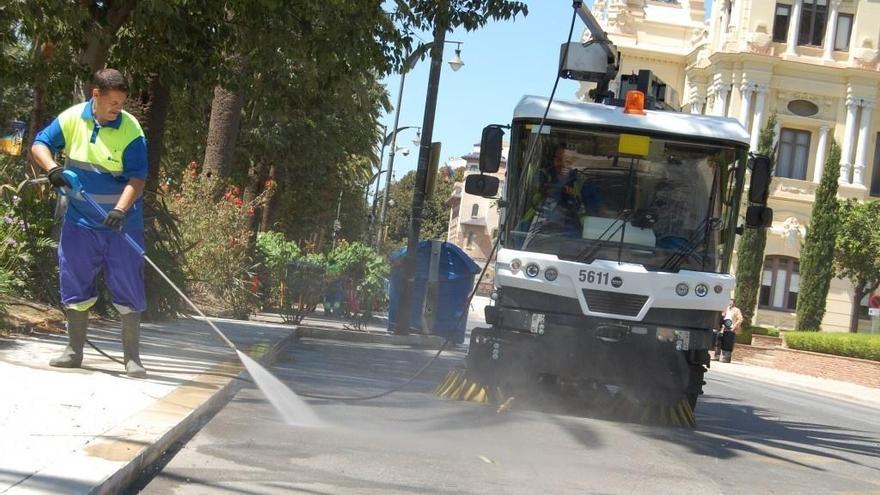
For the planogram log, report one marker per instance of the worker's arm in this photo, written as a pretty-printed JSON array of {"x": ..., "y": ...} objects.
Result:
[
  {"x": 135, "y": 160},
  {"x": 130, "y": 194},
  {"x": 47, "y": 142},
  {"x": 43, "y": 156}
]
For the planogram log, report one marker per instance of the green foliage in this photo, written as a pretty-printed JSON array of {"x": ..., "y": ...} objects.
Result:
[
  {"x": 856, "y": 345},
  {"x": 362, "y": 273},
  {"x": 857, "y": 254},
  {"x": 218, "y": 261},
  {"x": 274, "y": 252},
  {"x": 435, "y": 216},
  {"x": 817, "y": 253},
  {"x": 165, "y": 245},
  {"x": 27, "y": 252},
  {"x": 744, "y": 336},
  {"x": 750, "y": 253}
]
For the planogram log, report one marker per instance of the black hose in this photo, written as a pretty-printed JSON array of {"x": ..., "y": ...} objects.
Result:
[{"x": 429, "y": 363}]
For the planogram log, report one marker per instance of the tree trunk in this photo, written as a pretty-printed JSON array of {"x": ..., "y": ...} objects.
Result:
[
  {"x": 150, "y": 106},
  {"x": 222, "y": 133},
  {"x": 252, "y": 189},
  {"x": 267, "y": 219},
  {"x": 99, "y": 36},
  {"x": 858, "y": 293}
]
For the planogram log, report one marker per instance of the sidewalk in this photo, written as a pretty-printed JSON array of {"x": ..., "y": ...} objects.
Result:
[
  {"x": 851, "y": 392},
  {"x": 92, "y": 430}
]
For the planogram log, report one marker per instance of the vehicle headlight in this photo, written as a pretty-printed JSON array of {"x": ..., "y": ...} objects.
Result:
[
  {"x": 551, "y": 274},
  {"x": 701, "y": 290},
  {"x": 532, "y": 270},
  {"x": 515, "y": 265},
  {"x": 682, "y": 289}
]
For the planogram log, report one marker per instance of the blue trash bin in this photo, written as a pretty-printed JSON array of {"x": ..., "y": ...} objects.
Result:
[{"x": 454, "y": 281}]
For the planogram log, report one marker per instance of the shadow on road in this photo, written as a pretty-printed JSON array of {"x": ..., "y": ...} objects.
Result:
[{"x": 729, "y": 428}]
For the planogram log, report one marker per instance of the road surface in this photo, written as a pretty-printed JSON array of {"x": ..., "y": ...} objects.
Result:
[{"x": 752, "y": 437}]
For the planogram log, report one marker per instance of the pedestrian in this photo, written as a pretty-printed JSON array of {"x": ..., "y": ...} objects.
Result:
[
  {"x": 106, "y": 149},
  {"x": 731, "y": 324}
]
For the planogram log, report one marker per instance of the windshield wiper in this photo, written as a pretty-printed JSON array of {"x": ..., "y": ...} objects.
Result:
[{"x": 674, "y": 261}]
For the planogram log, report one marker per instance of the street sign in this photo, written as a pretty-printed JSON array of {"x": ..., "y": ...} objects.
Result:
[{"x": 873, "y": 311}]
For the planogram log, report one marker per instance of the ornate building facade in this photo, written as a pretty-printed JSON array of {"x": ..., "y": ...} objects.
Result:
[{"x": 814, "y": 63}]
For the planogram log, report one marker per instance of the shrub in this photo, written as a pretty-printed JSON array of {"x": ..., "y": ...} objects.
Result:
[
  {"x": 362, "y": 273},
  {"x": 27, "y": 252},
  {"x": 863, "y": 346},
  {"x": 274, "y": 252},
  {"x": 744, "y": 336},
  {"x": 216, "y": 236},
  {"x": 292, "y": 283}
]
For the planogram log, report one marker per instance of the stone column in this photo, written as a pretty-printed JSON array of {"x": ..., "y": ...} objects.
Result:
[
  {"x": 745, "y": 106},
  {"x": 862, "y": 144},
  {"x": 852, "y": 105},
  {"x": 758, "y": 121},
  {"x": 725, "y": 22},
  {"x": 821, "y": 149},
  {"x": 831, "y": 29},
  {"x": 722, "y": 90},
  {"x": 697, "y": 104},
  {"x": 794, "y": 24}
]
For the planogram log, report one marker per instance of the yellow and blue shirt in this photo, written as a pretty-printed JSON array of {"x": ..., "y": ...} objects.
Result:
[{"x": 104, "y": 157}]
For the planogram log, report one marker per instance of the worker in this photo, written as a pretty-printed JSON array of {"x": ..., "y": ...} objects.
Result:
[{"x": 105, "y": 148}]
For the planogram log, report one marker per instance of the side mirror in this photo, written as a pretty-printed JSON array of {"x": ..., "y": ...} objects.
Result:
[
  {"x": 759, "y": 186},
  {"x": 481, "y": 185},
  {"x": 759, "y": 217},
  {"x": 490, "y": 149}
]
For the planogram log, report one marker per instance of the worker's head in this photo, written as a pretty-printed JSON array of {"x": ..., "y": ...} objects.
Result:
[{"x": 109, "y": 91}]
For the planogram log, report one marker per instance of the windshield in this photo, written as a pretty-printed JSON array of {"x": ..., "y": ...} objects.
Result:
[{"x": 585, "y": 195}]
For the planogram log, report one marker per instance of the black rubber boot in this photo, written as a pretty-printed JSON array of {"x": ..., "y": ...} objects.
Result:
[
  {"x": 131, "y": 333},
  {"x": 77, "y": 324}
]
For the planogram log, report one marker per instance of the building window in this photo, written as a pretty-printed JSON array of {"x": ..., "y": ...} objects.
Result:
[
  {"x": 813, "y": 19},
  {"x": 475, "y": 211},
  {"x": 780, "y": 23},
  {"x": 780, "y": 283},
  {"x": 843, "y": 32},
  {"x": 875, "y": 172},
  {"x": 794, "y": 153},
  {"x": 471, "y": 239}
]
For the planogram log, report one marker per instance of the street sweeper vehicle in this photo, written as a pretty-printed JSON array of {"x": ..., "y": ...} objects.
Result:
[{"x": 618, "y": 222}]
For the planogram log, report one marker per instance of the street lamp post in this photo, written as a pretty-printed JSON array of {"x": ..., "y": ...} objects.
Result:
[
  {"x": 402, "y": 325},
  {"x": 387, "y": 139}
]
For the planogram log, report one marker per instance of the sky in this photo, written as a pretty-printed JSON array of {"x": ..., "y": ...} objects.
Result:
[{"x": 504, "y": 61}]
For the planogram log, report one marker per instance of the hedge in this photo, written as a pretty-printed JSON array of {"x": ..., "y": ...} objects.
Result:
[
  {"x": 856, "y": 345},
  {"x": 744, "y": 336}
]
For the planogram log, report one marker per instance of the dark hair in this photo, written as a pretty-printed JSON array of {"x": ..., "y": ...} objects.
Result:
[{"x": 106, "y": 79}]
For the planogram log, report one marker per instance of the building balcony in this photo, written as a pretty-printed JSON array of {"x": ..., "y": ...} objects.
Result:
[{"x": 474, "y": 221}]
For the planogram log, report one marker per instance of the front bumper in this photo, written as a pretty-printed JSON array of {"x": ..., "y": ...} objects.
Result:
[{"x": 652, "y": 362}]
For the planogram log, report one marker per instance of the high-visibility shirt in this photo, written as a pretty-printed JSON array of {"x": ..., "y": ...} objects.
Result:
[{"x": 104, "y": 157}]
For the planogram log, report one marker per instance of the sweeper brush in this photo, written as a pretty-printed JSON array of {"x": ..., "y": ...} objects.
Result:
[{"x": 456, "y": 385}]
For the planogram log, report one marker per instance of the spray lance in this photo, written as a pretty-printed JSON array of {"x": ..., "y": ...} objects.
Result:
[{"x": 293, "y": 409}]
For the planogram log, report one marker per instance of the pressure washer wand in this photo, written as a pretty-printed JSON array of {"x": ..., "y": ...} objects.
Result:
[{"x": 134, "y": 245}]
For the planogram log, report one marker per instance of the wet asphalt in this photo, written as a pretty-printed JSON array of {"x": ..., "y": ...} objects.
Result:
[{"x": 752, "y": 437}]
